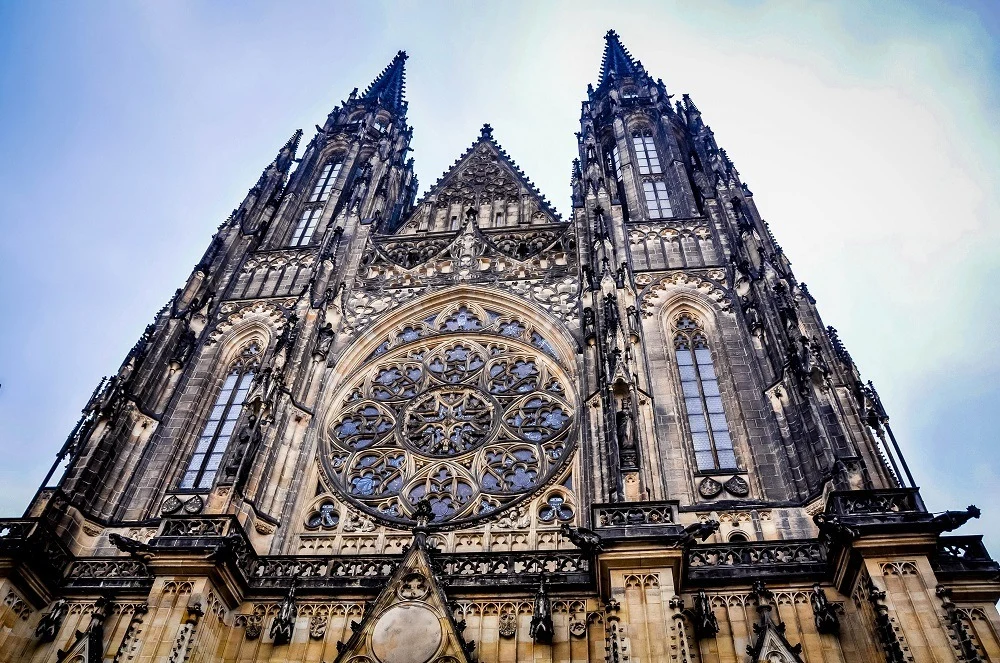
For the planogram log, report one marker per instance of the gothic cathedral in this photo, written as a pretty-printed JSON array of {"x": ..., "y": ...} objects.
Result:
[{"x": 376, "y": 428}]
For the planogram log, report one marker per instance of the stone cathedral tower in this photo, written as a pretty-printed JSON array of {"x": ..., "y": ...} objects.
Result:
[{"x": 372, "y": 428}]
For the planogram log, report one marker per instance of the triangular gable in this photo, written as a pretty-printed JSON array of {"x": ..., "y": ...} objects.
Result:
[
  {"x": 484, "y": 173},
  {"x": 770, "y": 644},
  {"x": 410, "y": 620},
  {"x": 772, "y": 647}
]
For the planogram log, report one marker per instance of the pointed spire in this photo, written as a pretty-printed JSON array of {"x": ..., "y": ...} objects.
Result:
[
  {"x": 389, "y": 86},
  {"x": 286, "y": 155},
  {"x": 617, "y": 60}
]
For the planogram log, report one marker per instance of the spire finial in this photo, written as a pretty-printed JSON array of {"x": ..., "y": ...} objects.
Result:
[
  {"x": 486, "y": 132},
  {"x": 389, "y": 86},
  {"x": 617, "y": 61},
  {"x": 286, "y": 155}
]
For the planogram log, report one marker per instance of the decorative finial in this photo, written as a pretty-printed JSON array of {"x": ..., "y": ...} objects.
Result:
[{"x": 486, "y": 132}]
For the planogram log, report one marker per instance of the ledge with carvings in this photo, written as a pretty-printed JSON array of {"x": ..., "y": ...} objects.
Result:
[
  {"x": 636, "y": 520},
  {"x": 793, "y": 559},
  {"x": 963, "y": 557}
]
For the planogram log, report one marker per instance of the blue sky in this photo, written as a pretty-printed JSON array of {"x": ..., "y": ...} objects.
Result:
[{"x": 867, "y": 131}]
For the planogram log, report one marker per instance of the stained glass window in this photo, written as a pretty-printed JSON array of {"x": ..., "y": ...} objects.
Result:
[
  {"x": 713, "y": 445},
  {"x": 306, "y": 226},
  {"x": 327, "y": 178},
  {"x": 221, "y": 424},
  {"x": 657, "y": 199},
  {"x": 645, "y": 153},
  {"x": 468, "y": 412}
]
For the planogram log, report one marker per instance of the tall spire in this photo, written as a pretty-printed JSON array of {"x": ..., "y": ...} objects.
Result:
[
  {"x": 617, "y": 59},
  {"x": 388, "y": 87},
  {"x": 287, "y": 153}
]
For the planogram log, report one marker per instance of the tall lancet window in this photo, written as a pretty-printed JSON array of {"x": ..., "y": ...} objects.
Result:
[
  {"x": 657, "y": 199},
  {"x": 207, "y": 456},
  {"x": 306, "y": 226},
  {"x": 645, "y": 153},
  {"x": 327, "y": 178},
  {"x": 713, "y": 445}
]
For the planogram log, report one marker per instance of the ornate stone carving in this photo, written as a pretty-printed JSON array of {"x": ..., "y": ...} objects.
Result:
[
  {"x": 711, "y": 283},
  {"x": 284, "y": 622},
  {"x": 51, "y": 622},
  {"x": 472, "y": 425},
  {"x": 709, "y": 488},
  {"x": 541, "y": 629}
]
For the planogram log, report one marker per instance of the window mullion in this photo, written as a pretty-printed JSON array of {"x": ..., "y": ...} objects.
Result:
[{"x": 704, "y": 405}]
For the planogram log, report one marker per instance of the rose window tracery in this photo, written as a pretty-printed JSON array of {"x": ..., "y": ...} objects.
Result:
[{"x": 463, "y": 409}]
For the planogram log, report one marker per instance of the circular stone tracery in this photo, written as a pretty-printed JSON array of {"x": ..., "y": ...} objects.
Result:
[
  {"x": 448, "y": 421},
  {"x": 473, "y": 424}
]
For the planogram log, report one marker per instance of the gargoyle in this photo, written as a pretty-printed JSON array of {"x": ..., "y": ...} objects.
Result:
[
  {"x": 952, "y": 520},
  {"x": 699, "y": 530},
  {"x": 136, "y": 549},
  {"x": 585, "y": 539}
]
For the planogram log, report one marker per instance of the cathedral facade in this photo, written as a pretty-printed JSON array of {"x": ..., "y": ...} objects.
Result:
[{"x": 372, "y": 428}]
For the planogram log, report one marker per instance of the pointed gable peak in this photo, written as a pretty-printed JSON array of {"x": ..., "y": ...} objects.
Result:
[
  {"x": 389, "y": 86},
  {"x": 411, "y": 619},
  {"x": 483, "y": 176},
  {"x": 486, "y": 149},
  {"x": 617, "y": 61}
]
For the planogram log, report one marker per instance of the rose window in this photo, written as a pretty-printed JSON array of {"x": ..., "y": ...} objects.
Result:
[{"x": 465, "y": 410}]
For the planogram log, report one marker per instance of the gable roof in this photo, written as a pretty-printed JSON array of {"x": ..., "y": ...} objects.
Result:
[
  {"x": 486, "y": 141},
  {"x": 410, "y": 620}
]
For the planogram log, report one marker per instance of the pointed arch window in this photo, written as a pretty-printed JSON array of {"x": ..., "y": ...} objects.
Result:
[
  {"x": 327, "y": 178},
  {"x": 657, "y": 199},
  {"x": 713, "y": 445},
  {"x": 306, "y": 226},
  {"x": 645, "y": 153},
  {"x": 214, "y": 440},
  {"x": 614, "y": 165}
]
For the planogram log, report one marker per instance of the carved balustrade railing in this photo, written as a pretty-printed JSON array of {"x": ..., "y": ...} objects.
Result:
[
  {"x": 638, "y": 519},
  {"x": 724, "y": 562},
  {"x": 963, "y": 555},
  {"x": 455, "y": 570},
  {"x": 30, "y": 541},
  {"x": 894, "y": 503},
  {"x": 101, "y": 573},
  {"x": 459, "y": 570}
]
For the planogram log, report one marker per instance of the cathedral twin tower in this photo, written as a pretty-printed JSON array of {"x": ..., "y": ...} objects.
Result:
[{"x": 373, "y": 428}]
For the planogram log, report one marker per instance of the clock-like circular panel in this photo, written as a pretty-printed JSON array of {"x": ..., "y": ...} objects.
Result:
[{"x": 472, "y": 423}]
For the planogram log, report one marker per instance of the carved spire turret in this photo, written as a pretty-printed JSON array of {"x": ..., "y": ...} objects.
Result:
[
  {"x": 389, "y": 86},
  {"x": 617, "y": 62}
]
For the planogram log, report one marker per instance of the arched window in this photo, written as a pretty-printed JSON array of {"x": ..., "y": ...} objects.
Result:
[
  {"x": 614, "y": 162},
  {"x": 215, "y": 436},
  {"x": 645, "y": 153},
  {"x": 306, "y": 226},
  {"x": 713, "y": 445},
  {"x": 657, "y": 199},
  {"x": 325, "y": 183}
]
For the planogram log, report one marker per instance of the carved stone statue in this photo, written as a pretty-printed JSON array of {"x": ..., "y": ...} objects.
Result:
[
  {"x": 585, "y": 539},
  {"x": 952, "y": 520},
  {"x": 824, "y": 612},
  {"x": 324, "y": 341},
  {"x": 705, "y": 623},
  {"x": 185, "y": 346},
  {"x": 423, "y": 512},
  {"x": 541, "y": 629},
  {"x": 623, "y": 428},
  {"x": 49, "y": 624},
  {"x": 284, "y": 622}
]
